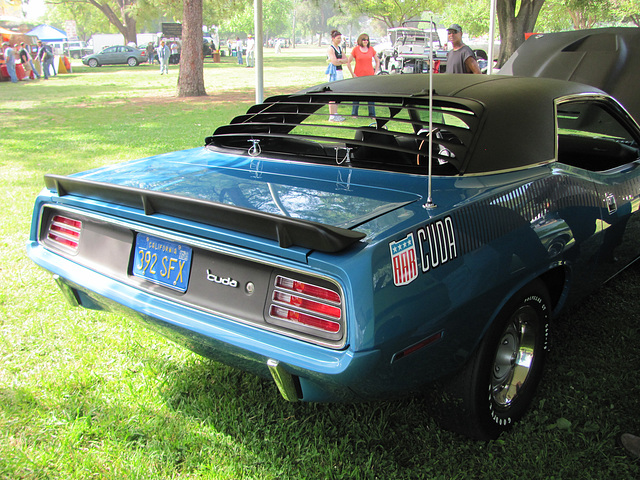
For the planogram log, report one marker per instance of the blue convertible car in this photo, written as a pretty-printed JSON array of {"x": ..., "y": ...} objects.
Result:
[{"x": 371, "y": 257}]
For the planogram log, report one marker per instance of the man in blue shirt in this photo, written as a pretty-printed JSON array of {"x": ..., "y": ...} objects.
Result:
[
  {"x": 163, "y": 56},
  {"x": 10, "y": 60}
]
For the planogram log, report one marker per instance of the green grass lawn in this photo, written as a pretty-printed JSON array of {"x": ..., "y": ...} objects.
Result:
[{"x": 86, "y": 395}]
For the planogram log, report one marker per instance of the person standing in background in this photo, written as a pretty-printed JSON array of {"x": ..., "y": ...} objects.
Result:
[
  {"x": 25, "y": 58},
  {"x": 151, "y": 53},
  {"x": 163, "y": 57},
  {"x": 45, "y": 55},
  {"x": 251, "y": 51},
  {"x": 239, "y": 50},
  {"x": 174, "y": 59},
  {"x": 461, "y": 58},
  {"x": 334, "y": 70},
  {"x": 10, "y": 61},
  {"x": 365, "y": 56}
]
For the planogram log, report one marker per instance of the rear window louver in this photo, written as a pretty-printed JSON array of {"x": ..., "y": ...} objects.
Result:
[{"x": 395, "y": 139}]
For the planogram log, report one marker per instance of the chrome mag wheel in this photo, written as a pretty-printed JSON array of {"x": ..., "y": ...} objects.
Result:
[{"x": 514, "y": 356}]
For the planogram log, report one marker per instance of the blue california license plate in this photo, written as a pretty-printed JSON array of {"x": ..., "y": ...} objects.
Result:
[{"x": 163, "y": 262}]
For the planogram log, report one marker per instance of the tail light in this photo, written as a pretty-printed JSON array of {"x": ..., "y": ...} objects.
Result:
[
  {"x": 306, "y": 307},
  {"x": 65, "y": 232}
]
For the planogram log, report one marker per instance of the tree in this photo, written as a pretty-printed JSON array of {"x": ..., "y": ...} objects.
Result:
[
  {"x": 626, "y": 10},
  {"x": 553, "y": 17},
  {"x": 191, "y": 76},
  {"x": 218, "y": 12},
  {"x": 586, "y": 13},
  {"x": 514, "y": 24},
  {"x": 314, "y": 14},
  {"x": 120, "y": 14},
  {"x": 88, "y": 19},
  {"x": 392, "y": 12},
  {"x": 276, "y": 18},
  {"x": 150, "y": 14},
  {"x": 124, "y": 22},
  {"x": 349, "y": 24},
  {"x": 472, "y": 15}
]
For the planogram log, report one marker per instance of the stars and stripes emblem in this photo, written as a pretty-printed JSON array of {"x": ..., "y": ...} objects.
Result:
[{"x": 404, "y": 261}]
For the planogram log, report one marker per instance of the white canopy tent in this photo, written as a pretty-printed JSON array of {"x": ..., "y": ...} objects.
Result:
[{"x": 47, "y": 33}]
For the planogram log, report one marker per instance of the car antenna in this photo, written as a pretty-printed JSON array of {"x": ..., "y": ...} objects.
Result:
[{"x": 430, "y": 203}]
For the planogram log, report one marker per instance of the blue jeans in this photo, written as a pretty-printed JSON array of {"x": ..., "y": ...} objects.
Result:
[
  {"x": 33, "y": 69},
  {"x": 164, "y": 65},
  {"x": 11, "y": 69},
  {"x": 356, "y": 107},
  {"x": 45, "y": 67}
]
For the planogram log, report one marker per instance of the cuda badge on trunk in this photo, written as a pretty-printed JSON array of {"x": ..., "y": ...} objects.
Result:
[{"x": 227, "y": 281}]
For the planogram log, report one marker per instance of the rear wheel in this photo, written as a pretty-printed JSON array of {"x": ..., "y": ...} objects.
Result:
[
  {"x": 132, "y": 62},
  {"x": 496, "y": 387}
]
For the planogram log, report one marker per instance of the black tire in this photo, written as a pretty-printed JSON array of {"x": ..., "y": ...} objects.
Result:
[
  {"x": 496, "y": 387},
  {"x": 93, "y": 63},
  {"x": 132, "y": 62}
]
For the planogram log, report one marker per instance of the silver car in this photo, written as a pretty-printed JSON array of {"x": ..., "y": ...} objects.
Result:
[{"x": 118, "y": 55}]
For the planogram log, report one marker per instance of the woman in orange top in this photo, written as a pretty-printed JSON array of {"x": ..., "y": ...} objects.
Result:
[{"x": 365, "y": 56}]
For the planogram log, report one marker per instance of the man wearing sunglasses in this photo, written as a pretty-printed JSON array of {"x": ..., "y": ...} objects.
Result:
[{"x": 460, "y": 59}]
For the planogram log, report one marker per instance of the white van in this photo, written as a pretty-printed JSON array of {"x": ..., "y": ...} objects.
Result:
[{"x": 73, "y": 48}]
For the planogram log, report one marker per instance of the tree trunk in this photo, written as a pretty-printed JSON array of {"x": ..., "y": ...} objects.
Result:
[
  {"x": 293, "y": 26},
  {"x": 513, "y": 27},
  {"x": 127, "y": 27},
  {"x": 191, "y": 76},
  {"x": 130, "y": 34},
  {"x": 581, "y": 20}
]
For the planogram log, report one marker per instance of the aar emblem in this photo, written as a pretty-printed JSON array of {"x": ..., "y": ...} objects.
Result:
[{"x": 404, "y": 261}]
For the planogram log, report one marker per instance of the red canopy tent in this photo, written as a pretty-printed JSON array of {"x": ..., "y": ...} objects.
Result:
[{"x": 17, "y": 37}]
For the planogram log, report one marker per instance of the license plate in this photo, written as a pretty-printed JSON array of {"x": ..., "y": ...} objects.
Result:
[{"x": 162, "y": 262}]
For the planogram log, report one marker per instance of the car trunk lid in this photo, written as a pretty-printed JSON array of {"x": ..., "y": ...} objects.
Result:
[{"x": 318, "y": 208}]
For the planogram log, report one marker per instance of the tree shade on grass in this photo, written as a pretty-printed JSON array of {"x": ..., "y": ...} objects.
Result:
[{"x": 94, "y": 395}]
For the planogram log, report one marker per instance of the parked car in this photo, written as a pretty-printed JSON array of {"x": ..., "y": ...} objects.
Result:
[
  {"x": 410, "y": 49},
  {"x": 365, "y": 259},
  {"x": 143, "y": 52},
  {"x": 72, "y": 48},
  {"x": 118, "y": 55},
  {"x": 77, "y": 49}
]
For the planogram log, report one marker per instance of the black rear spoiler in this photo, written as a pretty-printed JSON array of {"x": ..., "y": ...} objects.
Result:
[{"x": 285, "y": 230}]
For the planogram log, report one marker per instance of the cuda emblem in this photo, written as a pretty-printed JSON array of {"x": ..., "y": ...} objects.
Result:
[
  {"x": 228, "y": 281},
  {"x": 404, "y": 261}
]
